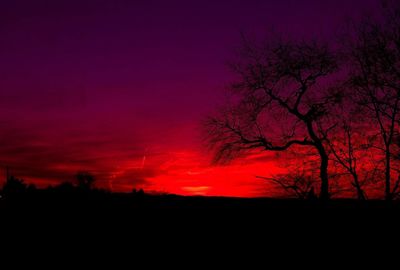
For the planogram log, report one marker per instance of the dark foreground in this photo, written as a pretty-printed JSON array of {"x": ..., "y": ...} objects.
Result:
[
  {"x": 95, "y": 203},
  {"x": 206, "y": 224}
]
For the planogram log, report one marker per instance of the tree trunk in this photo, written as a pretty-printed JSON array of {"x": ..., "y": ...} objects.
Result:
[
  {"x": 360, "y": 192},
  {"x": 388, "y": 192},
  {"x": 324, "y": 193}
]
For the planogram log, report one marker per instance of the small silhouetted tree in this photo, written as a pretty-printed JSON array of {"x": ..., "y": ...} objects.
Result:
[
  {"x": 85, "y": 180},
  {"x": 14, "y": 186},
  {"x": 296, "y": 184},
  {"x": 140, "y": 193},
  {"x": 279, "y": 102}
]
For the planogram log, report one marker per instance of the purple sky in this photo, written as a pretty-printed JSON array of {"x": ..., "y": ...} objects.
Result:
[{"x": 98, "y": 85}]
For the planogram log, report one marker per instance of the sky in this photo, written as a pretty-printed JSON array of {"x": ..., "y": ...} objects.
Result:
[{"x": 120, "y": 88}]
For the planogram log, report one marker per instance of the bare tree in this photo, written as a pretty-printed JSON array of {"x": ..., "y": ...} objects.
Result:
[
  {"x": 375, "y": 75},
  {"x": 296, "y": 184},
  {"x": 280, "y": 101},
  {"x": 344, "y": 149}
]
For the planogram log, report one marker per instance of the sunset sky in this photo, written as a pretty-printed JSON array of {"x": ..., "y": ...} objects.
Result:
[{"x": 119, "y": 88}]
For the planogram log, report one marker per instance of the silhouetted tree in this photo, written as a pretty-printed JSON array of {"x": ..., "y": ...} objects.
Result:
[
  {"x": 375, "y": 75},
  {"x": 140, "y": 192},
  {"x": 14, "y": 186},
  {"x": 279, "y": 101},
  {"x": 298, "y": 184},
  {"x": 345, "y": 151},
  {"x": 85, "y": 180}
]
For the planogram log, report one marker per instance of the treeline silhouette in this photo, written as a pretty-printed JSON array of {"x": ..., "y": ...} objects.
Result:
[
  {"x": 333, "y": 108},
  {"x": 78, "y": 194},
  {"x": 82, "y": 197}
]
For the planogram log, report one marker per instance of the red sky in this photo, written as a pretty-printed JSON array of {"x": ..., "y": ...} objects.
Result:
[{"x": 119, "y": 88}]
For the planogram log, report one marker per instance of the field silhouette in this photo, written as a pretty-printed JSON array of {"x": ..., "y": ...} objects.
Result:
[{"x": 17, "y": 196}]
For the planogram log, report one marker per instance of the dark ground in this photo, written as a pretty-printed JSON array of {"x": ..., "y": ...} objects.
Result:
[
  {"x": 81, "y": 223},
  {"x": 97, "y": 204},
  {"x": 97, "y": 200}
]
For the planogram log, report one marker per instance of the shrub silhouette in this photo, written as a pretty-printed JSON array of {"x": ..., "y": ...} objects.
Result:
[
  {"x": 85, "y": 180},
  {"x": 14, "y": 186}
]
